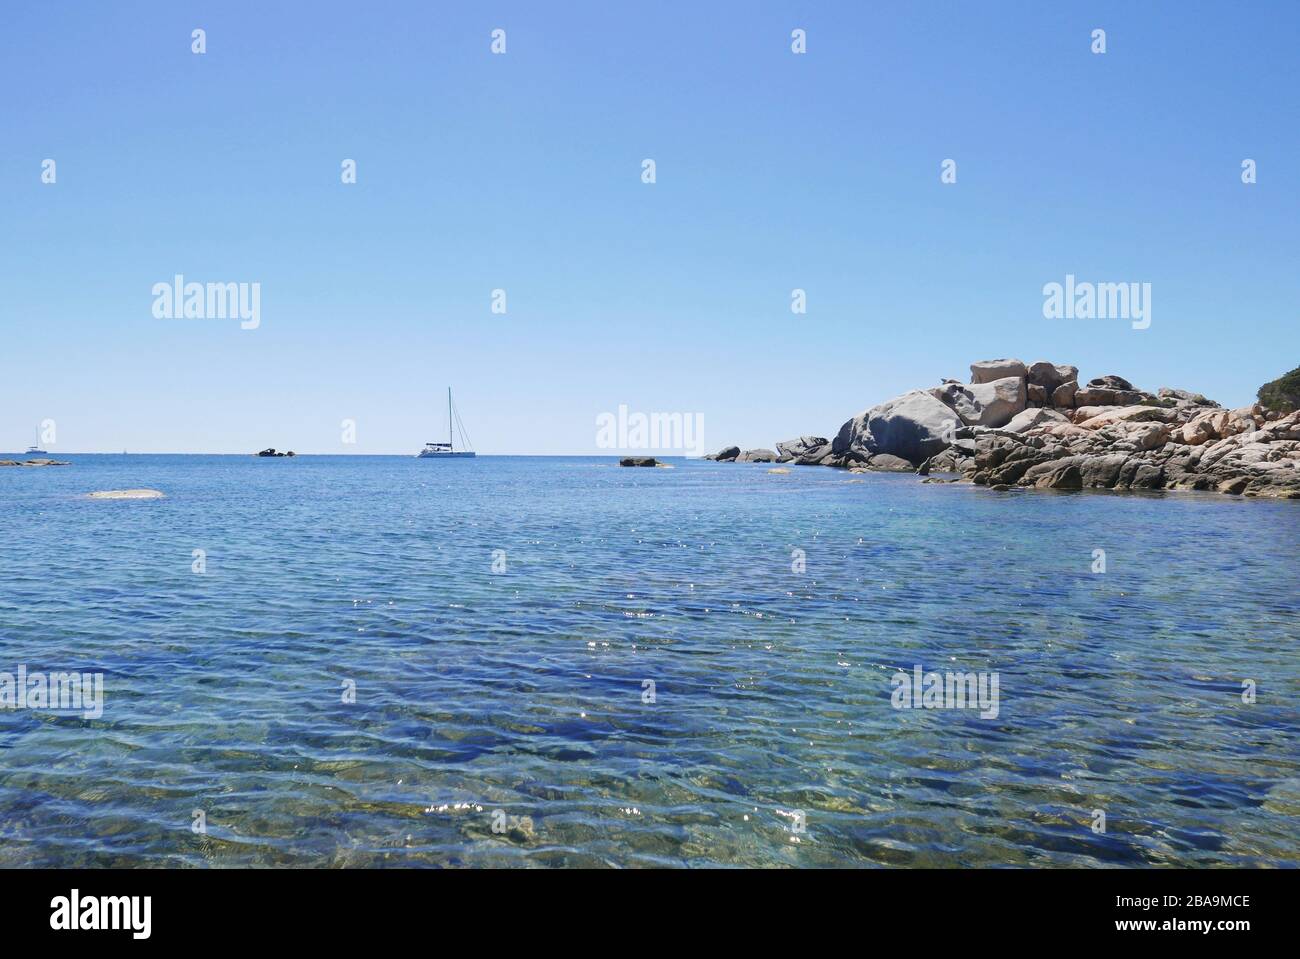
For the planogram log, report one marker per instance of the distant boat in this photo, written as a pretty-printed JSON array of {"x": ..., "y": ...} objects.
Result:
[
  {"x": 447, "y": 449},
  {"x": 36, "y": 451}
]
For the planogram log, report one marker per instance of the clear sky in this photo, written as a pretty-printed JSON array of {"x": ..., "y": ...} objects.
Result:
[{"x": 522, "y": 172}]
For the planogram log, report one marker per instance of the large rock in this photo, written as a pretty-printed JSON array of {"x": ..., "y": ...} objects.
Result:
[
  {"x": 1183, "y": 398},
  {"x": 1084, "y": 413},
  {"x": 1216, "y": 424},
  {"x": 818, "y": 455},
  {"x": 1059, "y": 476},
  {"x": 1049, "y": 376},
  {"x": 1110, "y": 382},
  {"x": 1102, "y": 472},
  {"x": 804, "y": 448},
  {"x": 985, "y": 404},
  {"x": 1063, "y": 396},
  {"x": 725, "y": 455},
  {"x": 1101, "y": 396},
  {"x": 986, "y": 371},
  {"x": 914, "y": 426},
  {"x": 1028, "y": 419},
  {"x": 1127, "y": 414},
  {"x": 757, "y": 456},
  {"x": 888, "y": 463}
]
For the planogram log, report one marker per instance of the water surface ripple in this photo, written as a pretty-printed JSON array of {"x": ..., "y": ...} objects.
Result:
[{"x": 523, "y": 691}]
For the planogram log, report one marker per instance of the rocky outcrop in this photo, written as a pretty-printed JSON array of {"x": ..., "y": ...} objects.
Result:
[
  {"x": 1247, "y": 451},
  {"x": 757, "y": 456},
  {"x": 725, "y": 455},
  {"x": 270, "y": 451},
  {"x": 1033, "y": 426},
  {"x": 638, "y": 461},
  {"x": 34, "y": 462}
]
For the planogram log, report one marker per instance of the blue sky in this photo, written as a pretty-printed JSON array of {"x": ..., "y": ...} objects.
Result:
[{"x": 523, "y": 172}]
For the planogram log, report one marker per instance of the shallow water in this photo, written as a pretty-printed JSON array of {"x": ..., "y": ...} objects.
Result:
[{"x": 771, "y": 739}]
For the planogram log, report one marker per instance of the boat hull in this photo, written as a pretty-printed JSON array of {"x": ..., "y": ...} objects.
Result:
[{"x": 429, "y": 455}]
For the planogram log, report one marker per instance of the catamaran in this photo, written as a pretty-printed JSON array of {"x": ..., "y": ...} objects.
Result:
[{"x": 447, "y": 449}]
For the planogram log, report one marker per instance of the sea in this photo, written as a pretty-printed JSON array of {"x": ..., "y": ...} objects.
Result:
[{"x": 367, "y": 661}]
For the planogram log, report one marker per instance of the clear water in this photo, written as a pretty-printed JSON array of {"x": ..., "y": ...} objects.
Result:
[{"x": 523, "y": 691}]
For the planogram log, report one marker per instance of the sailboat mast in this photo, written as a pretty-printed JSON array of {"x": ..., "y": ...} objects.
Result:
[{"x": 451, "y": 440}]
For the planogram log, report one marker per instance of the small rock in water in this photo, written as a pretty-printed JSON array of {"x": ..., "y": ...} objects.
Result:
[
  {"x": 725, "y": 455},
  {"x": 638, "y": 461},
  {"x": 127, "y": 494}
]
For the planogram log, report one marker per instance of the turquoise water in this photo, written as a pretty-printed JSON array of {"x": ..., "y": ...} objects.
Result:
[{"x": 771, "y": 739}]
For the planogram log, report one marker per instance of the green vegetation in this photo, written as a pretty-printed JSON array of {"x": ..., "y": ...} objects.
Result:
[{"x": 1283, "y": 394}]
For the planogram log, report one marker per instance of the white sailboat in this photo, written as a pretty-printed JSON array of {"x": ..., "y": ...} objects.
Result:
[{"x": 448, "y": 449}]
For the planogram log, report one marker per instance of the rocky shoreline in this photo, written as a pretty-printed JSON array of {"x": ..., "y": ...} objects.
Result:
[{"x": 1033, "y": 425}]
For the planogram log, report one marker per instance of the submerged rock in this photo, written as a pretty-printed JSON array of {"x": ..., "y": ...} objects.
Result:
[{"x": 127, "y": 494}]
